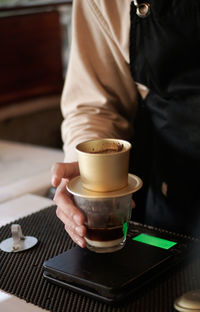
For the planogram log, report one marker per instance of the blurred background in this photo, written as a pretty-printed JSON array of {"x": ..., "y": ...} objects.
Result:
[
  {"x": 35, "y": 39},
  {"x": 34, "y": 48}
]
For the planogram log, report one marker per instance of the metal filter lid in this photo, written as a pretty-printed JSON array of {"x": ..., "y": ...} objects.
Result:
[{"x": 188, "y": 302}]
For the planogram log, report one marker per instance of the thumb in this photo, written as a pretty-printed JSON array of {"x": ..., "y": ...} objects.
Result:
[{"x": 61, "y": 171}]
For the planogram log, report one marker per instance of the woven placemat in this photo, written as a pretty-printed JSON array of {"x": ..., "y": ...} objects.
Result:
[{"x": 22, "y": 273}]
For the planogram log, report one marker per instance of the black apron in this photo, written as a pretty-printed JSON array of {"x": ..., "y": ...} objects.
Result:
[{"x": 165, "y": 57}]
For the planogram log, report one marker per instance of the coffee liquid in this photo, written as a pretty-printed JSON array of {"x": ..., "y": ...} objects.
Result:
[
  {"x": 105, "y": 234},
  {"x": 109, "y": 150},
  {"x": 106, "y": 151}
]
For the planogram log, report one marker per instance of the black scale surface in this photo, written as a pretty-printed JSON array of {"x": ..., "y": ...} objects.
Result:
[{"x": 21, "y": 274}]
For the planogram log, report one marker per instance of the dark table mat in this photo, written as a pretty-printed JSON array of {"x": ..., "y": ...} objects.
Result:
[{"x": 21, "y": 274}]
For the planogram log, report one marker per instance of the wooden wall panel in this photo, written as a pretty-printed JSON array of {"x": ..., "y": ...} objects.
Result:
[{"x": 30, "y": 56}]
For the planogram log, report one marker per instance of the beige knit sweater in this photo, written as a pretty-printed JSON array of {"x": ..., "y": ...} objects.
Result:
[{"x": 99, "y": 97}]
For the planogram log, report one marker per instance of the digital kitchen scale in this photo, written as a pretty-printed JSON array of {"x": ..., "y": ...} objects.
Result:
[{"x": 111, "y": 277}]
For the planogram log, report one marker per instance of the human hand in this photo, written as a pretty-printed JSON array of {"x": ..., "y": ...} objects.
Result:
[{"x": 66, "y": 210}]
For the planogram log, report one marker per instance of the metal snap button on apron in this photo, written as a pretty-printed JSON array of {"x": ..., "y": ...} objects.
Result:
[{"x": 143, "y": 9}]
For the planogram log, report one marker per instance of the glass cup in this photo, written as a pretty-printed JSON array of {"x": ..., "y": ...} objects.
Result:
[{"x": 106, "y": 221}]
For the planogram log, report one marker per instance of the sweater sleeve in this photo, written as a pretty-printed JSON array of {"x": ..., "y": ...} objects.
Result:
[{"x": 99, "y": 95}]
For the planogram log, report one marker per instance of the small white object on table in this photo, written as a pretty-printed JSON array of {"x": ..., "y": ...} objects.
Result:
[
  {"x": 11, "y": 211},
  {"x": 25, "y": 180}
]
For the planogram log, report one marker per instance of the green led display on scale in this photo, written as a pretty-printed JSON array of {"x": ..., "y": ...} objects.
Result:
[{"x": 154, "y": 241}]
